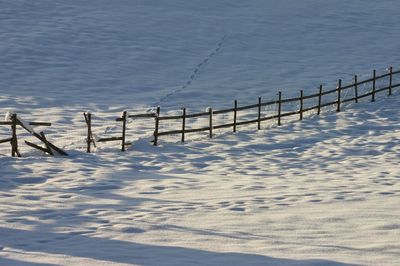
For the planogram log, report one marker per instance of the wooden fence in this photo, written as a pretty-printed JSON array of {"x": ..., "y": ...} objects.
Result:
[
  {"x": 280, "y": 101},
  {"x": 335, "y": 94},
  {"x": 13, "y": 140}
]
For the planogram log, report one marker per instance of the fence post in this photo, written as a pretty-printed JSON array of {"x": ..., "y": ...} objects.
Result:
[
  {"x": 356, "y": 88},
  {"x": 183, "y": 124},
  {"x": 319, "y": 100},
  {"x": 123, "y": 130},
  {"x": 155, "y": 142},
  {"x": 373, "y": 85},
  {"x": 301, "y": 105},
  {"x": 390, "y": 80},
  {"x": 88, "y": 118},
  {"x": 14, "y": 141},
  {"x": 235, "y": 116},
  {"x": 259, "y": 114},
  {"x": 211, "y": 122},
  {"x": 279, "y": 107},
  {"x": 339, "y": 89}
]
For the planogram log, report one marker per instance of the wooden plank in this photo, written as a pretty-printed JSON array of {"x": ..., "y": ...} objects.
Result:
[
  {"x": 290, "y": 100},
  {"x": 247, "y": 122},
  {"x": 373, "y": 85},
  {"x": 46, "y": 143},
  {"x": 151, "y": 115},
  {"x": 224, "y": 111},
  {"x": 306, "y": 97},
  {"x": 40, "y": 124},
  {"x": 35, "y": 146},
  {"x": 5, "y": 140},
  {"x": 196, "y": 115},
  {"x": 223, "y": 126},
  {"x": 110, "y": 139},
  {"x": 183, "y": 124},
  {"x": 173, "y": 132},
  {"x": 54, "y": 147},
  {"x": 155, "y": 141}
]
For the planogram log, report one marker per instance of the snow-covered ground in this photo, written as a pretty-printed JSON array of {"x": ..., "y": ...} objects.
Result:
[{"x": 324, "y": 191}]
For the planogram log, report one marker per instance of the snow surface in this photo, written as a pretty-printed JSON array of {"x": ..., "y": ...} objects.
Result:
[{"x": 324, "y": 191}]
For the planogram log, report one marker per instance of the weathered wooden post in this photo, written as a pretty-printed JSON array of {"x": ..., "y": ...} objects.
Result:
[
  {"x": 339, "y": 90},
  {"x": 155, "y": 142},
  {"x": 279, "y": 107},
  {"x": 259, "y": 114},
  {"x": 373, "y": 85},
  {"x": 123, "y": 131},
  {"x": 183, "y": 124},
  {"x": 390, "y": 80},
  {"x": 356, "y": 88},
  {"x": 211, "y": 121},
  {"x": 88, "y": 118},
  {"x": 14, "y": 140},
  {"x": 301, "y": 105},
  {"x": 319, "y": 100},
  {"x": 235, "y": 115}
]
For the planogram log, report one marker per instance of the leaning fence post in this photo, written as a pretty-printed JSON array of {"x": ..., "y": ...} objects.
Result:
[
  {"x": 211, "y": 121},
  {"x": 155, "y": 142},
  {"x": 339, "y": 89},
  {"x": 301, "y": 105},
  {"x": 319, "y": 100},
  {"x": 235, "y": 116},
  {"x": 279, "y": 107},
  {"x": 356, "y": 88},
  {"x": 183, "y": 124},
  {"x": 123, "y": 130},
  {"x": 373, "y": 85},
  {"x": 14, "y": 141},
  {"x": 390, "y": 80},
  {"x": 259, "y": 114}
]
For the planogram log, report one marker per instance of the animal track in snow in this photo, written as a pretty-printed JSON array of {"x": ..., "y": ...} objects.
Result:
[{"x": 193, "y": 75}]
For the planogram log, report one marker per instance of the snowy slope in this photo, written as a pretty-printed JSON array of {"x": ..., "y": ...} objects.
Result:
[{"x": 324, "y": 191}]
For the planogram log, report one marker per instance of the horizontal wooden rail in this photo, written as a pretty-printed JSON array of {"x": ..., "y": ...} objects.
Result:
[{"x": 109, "y": 139}]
